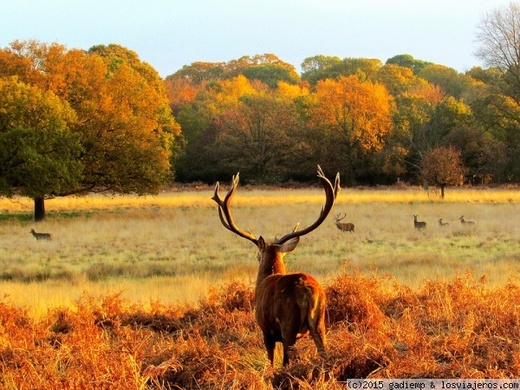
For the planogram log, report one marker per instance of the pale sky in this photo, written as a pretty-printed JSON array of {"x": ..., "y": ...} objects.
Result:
[{"x": 169, "y": 34}]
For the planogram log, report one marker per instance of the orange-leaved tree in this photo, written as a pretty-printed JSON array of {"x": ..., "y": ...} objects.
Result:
[
  {"x": 352, "y": 117},
  {"x": 442, "y": 167},
  {"x": 124, "y": 122}
]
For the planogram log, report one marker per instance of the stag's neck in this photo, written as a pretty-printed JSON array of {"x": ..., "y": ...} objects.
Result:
[{"x": 270, "y": 265}]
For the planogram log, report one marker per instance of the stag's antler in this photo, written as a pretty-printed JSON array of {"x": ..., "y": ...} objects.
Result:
[
  {"x": 224, "y": 210},
  {"x": 339, "y": 217},
  {"x": 330, "y": 192}
]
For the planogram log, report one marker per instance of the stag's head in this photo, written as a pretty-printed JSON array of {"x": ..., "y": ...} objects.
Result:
[{"x": 271, "y": 254}]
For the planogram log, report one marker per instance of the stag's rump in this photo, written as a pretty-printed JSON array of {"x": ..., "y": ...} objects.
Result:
[{"x": 289, "y": 303}]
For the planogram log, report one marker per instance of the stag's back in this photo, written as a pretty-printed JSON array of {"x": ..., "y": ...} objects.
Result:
[{"x": 289, "y": 304}]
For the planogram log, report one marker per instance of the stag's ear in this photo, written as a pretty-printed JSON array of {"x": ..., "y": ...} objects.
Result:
[
  {"x": 261, "y": 244},
  {"x": 289, "y": 245}
]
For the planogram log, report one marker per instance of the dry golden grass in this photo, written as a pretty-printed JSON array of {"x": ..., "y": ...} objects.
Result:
[
  {"x": 201, "y": 197},
  {"x": 377, "y": 328},
  {"x": 172, "y": 248},
  {"x": 119, "y": 299}
]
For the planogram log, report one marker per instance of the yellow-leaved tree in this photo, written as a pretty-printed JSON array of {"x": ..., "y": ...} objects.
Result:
[
  {"x": 352, "y": 118},
  {"x": 124, "y": 122}
]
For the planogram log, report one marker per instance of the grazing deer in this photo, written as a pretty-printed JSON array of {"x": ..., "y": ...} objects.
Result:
[
  {"x": 345, "y": 227},
  {"x": 441, "y": 223},
  {"x": 287, "y": 306},
  {"x": 418, "y": 224},
  {"x": 41, "y": 236},
  {"x": 464, "y": 222}
]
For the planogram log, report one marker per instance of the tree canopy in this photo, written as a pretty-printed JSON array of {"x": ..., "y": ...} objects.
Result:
[
  {"x": 123, "y": 122},
  {"x": 39, "y": 150},
  {"x": 372, "y": 121},
  {"x": 442, "y": 167}
]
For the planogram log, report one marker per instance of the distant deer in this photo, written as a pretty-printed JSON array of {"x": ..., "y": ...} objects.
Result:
[
  {"x": 464, "y": 222},
  {"x": 41, "y": 236},
  {"x": 441, "y": 223},
  {"x": 287, "y": 306},
  {"x": 418, "y": 224},
  {"x": 346, "y": 227}
]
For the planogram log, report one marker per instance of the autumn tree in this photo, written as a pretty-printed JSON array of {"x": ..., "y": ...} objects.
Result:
[
  {"x": 351, "y": 118},
  {"x": 397, "y": 79},
  {"x": 322, "y": 67},
  {"x": 123, "y": 118},
  {"x": 259, "y": 139},
  {"x": 201, "y": 124},
  {"x": 499, "y": 37},
  {"x": 408, "y": 61},
  {"x": 442, "y": 167},
  {"x": 39, "y": 149}
]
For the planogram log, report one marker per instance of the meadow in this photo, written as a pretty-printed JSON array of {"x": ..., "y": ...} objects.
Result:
[{"x": 145, "y": 275}]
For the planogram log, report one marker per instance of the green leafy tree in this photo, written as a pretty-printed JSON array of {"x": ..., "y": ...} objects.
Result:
[
  {"x": 269, "y": 74},
  {"x": 453, "y": 84},
  {"x": 259, "y": 138},
  {"x": 321, "y": 68},
  {"x": 483, "y": 155},
  {"x": 318, "y": 67},
  {"x": 39, "y": 151},
  {"x": 123, "y": 116},
  {"x": 449, "y": 115},
  {"x": 442, "y": 167},
  {"x": 408, "y": 61}
]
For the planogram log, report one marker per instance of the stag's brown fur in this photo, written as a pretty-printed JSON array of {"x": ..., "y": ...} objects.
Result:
[
  {"x": 287, "y": 306},
  {"x": 344, "y": 226}
]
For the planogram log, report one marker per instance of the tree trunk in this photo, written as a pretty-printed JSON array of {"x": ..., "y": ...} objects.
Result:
[
  {"x": 39, "y": 209},
  {"x": 443, "y": 186}
]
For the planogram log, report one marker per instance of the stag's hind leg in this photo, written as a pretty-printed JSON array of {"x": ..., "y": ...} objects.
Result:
[
  {"x": 269, "y": 343},
  {"x": 292, "y": 326},
  {"x": 318, "y": 335},
  {"x": 317, "y": 327},
  {"x": 288, "y": 349}
]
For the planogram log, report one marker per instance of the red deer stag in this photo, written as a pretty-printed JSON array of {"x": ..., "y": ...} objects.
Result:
[
  {"x": 345, "y": 227},
  {"x": 287, "y": 306}
]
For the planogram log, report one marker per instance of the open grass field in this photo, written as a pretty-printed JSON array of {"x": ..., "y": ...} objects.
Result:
[{"x": 122, "y": 290}]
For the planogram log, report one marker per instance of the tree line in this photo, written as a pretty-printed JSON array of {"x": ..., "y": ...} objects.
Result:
[
  {"x": 373, "y": 122},
  {"x": 75, "y": 121}
]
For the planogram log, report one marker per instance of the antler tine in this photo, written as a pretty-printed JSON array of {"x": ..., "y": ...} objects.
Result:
[
  {"x": 337, "y": 185},
  {"x": 219, "y": 202},
  {"x": 224, "y": 210},
  {"x": 330, "y": 193}
]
